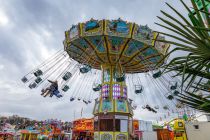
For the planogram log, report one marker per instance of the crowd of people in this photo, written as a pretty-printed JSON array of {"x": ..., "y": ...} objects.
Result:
[{"x": 17, "y": 123}]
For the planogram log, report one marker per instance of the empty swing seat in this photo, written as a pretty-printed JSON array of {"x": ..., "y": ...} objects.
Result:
[
  {"x": 165, "y": 107},
  {"x": 67, "y": 76},
  {"x": 97, "y": 88},
  {"x": 89, "y": 101},
  {"x": 173, "y": 87},
  {"x": 175, "y": 93},
  {"x": 72, "y": 99},
  {"x": 85, "y": 102},
  {"x": 24, "y": 79},
  {"x": 38, "y": 80},
  {"x": 38, "y": 73},
  {"x": 65, "y": 88},
  {"x": 85, "y": 69},
  {"x": 157, "y": 74},
  {"x": 120, "y": 78},
  {"x": 134, "y": 107},
  {"x": 170, "y": 97},
  {"x": 78, "y": 99},
  {"x": 150, "y": 109},
  {"x": 32, "y": 85},
  {"x": 138, "y": 89}
]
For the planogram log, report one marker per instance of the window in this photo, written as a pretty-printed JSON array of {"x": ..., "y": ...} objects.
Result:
[
  {"x": 106, "y": 125},
  {"x": 121, "y": 125}
]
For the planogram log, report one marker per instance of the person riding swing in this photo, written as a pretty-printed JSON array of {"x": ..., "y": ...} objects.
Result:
[{"x": 52, "y": 89}]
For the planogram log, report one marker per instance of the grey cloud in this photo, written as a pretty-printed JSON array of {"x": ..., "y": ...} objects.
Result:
[{"x": 36, "y": 27}]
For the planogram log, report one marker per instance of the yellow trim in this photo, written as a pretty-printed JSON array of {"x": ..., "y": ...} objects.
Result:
[
  {"x": 154, "y": 38},
  {"x": 131, "y": 27},
  {"x": 80, "y": 29}
]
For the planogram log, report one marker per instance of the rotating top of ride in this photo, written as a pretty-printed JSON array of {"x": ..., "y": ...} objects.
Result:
[{"x": 113, "y": 42}]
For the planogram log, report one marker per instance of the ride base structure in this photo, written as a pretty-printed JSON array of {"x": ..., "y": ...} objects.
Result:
[{"x": 115, "y": 47}]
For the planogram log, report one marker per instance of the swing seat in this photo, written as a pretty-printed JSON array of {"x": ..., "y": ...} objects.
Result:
[
  {"x": 89, "y": 101},
  {"x": 38, "y": 80},
  {"x": 134, "y": 107},
  {"x": 38, "y": 73},
  {"x": 24, "y": 79},
  {"x": 32, "y": 85},
  {"x": 79, "y": 99},
  {"x": 175, "y": 93},
  {"x": 85, "y": 102},
  {"x": 170, "y": 97},
  {"x": 165, "y": 107},
  {"x": 179, "y": 105},
  {"x": 138, "y": 89},
  {"x": 120, "y": 78},
  {"x": 154, "y": 111},
  {"x": 130, "y": 100},
  {"x": 173, "y": 87},
  {"x": 85, "y": 69},
  {"x": 157, "y": 74},
  {"x": 67, "y": 76},
  {"x": 97, "y": 88},
  {"x": 72, "y": 99},
  {"x": 65, "y": 88}
]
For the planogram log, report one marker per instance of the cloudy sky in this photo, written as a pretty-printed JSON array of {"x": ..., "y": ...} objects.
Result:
[{"x": 32, "y": 30}]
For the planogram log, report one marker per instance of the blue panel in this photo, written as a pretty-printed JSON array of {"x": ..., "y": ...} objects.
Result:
[
  {"x": 133, "y": 47},
  {"x": 91, "y": 25},
  {"x": 149, "y": 52},
  {"x": 82, "y": 43},
  {"x": 75, "y": 49},
  {"x": 118, "y": 26},
  {"x": 98, "y": 42},
  {"x": 155, "y": 59},
  {"x": 116, "y": 43}
]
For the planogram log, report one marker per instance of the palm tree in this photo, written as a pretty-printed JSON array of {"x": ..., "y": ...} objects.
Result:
[{"x": 191, "y": 36}]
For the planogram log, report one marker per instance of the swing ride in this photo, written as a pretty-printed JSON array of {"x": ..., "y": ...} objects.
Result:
[{"x": 110, "y": 56}]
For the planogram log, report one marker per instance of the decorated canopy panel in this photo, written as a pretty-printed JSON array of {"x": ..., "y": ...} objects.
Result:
[{"x": 97, "y": 42}]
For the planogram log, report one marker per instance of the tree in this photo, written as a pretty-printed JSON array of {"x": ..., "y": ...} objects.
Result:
[{"x": 191, "y": 36}]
